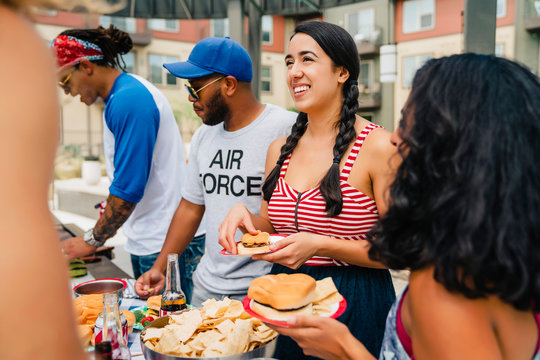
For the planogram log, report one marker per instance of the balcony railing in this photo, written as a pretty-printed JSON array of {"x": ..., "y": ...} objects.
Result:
[
  {"x": 532, "y": 16},
  {"x": 368, "y": 41},
  {"x": 370, "y": 96}
]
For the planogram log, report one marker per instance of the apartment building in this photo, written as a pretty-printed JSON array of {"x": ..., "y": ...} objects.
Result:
[
  {"x": 426, "y": 29},
  {"x": 370, "y": 25},
  {"x": 158, "y": 41}
]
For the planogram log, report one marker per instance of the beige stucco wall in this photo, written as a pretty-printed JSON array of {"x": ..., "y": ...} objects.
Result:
[
  {"x": 438, "y": 47},
  {"x": 279, "y": 94}
]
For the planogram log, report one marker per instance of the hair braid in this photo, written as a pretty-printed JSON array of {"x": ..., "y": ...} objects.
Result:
[
  {"x": 330, "y": 186},
  {"x": 297, "y": 131}
]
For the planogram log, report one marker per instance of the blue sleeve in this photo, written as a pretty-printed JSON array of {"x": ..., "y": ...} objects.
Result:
[{"x": 133, "y": 118}]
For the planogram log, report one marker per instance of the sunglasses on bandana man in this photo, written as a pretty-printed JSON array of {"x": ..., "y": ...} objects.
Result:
[
  {"x": 194, "y": 92},
  {"x": 64, "y": 83}
]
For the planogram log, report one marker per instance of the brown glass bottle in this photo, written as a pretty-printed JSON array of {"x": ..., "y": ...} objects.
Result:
[{"x": 173, "y": 299}]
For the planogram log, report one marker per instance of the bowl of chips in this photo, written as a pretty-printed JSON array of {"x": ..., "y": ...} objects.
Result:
[{"x": 219, "y": 330}]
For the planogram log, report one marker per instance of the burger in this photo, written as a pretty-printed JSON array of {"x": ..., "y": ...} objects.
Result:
[
  {"x": 276, "y": 297},
  {"x": 154, "y": 304},
  {"x": 254, "y": 244}
]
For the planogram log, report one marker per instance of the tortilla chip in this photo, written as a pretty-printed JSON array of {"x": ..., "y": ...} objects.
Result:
[
  {"x": 225, "y": 327},
  {"x": 153, "y": 333},
  {"x": 324, "y": 288},
  {"x": 169, "y": 343}
]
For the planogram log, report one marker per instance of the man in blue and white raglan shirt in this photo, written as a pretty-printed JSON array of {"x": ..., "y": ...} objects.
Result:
[
  {"x": 145, "y": 163},
  {"x": 143, "y": 149},
  {"x": 226, "y": 166}
]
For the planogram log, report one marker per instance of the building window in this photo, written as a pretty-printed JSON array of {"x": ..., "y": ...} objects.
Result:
[
  {"x": 365, "y": 80},
  {"x": 499, "y": 50},
  {"x": 267, "y": 29},
  {"x": 501, "y": 8},
  {"x": 129, "y": 60},
  {"x": 410, "y": 65},
  {"x": 537, "y": 7},
  {"x": 418, "y": 15},
  {"x": 266, "y": 79},
  {"x": 361, "y": 25},
  {"x": 126, "y": 24},
  {"x": 219, "y": 27},
  {"x": 158, "y": 74},
  {"x": 164, "y": 25}
]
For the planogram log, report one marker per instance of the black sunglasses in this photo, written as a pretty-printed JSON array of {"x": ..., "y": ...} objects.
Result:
[{"x": 194, "y": 92}]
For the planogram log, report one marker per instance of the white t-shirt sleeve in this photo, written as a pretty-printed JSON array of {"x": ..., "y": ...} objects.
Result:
[{"x": 192, "y": 189}]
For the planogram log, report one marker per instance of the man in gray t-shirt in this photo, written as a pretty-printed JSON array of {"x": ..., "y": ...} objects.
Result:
[{"x": 226, "y": 167}]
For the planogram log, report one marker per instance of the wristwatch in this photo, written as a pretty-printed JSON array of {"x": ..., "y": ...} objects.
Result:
[{"x": 90, "y": 240}]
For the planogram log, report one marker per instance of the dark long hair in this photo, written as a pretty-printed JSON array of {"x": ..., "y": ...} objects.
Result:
[
  {"x": 466, "y": 199},
  {"x": 340, "y": 47},
  {"x": 113, "y": 42}
]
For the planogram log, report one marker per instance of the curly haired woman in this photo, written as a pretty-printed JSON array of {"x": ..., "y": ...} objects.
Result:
[{"x": 463, "y": 218}]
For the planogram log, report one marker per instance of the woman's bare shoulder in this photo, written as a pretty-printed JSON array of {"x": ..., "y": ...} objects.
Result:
[
  {"x": 275, "y": 146},
  {"x": 378, "y": 140}
]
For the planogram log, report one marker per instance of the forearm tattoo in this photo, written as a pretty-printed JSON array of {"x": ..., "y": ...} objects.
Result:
[{"x": 116, "y": 213}]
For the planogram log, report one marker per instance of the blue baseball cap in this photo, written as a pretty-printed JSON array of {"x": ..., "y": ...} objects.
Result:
[{"x": 214, "y": 55}]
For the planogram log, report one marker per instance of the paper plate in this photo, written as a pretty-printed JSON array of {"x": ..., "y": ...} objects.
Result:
[
  {"x": 336, "y": 310},
  {"x": 272, "y": 239}
]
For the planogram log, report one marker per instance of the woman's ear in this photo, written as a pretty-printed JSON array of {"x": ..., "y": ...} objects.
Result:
[{"x": 343, "y": 74}]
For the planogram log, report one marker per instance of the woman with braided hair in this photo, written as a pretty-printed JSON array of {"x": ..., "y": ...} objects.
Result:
[
  {"x": 142, "y": 144},
  {"x": 326, "y": 184}
]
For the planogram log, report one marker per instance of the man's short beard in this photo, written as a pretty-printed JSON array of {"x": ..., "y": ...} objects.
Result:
[{"x": 218, "y": 110}]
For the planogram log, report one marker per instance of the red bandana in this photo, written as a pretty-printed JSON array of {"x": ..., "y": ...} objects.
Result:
[{"x": 70, "y": 50}]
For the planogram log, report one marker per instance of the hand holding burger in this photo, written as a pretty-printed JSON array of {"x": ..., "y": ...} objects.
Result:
[{"x": 254, "y": 244}]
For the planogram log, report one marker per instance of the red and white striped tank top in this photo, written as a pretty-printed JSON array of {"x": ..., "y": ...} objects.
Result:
[{"x": 291, "y": 211}]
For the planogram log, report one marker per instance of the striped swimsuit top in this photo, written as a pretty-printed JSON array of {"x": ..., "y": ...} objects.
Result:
[{"x": 292, "y": 211}]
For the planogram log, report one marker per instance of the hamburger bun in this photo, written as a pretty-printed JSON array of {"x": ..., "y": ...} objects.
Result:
[
  {"x": 280, "y": 315},
  {"x": 254, "y": 244},
  {"x": 279, "y": 296}
]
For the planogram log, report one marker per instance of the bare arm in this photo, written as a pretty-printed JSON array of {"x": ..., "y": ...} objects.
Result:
[
  {"x": 325, "y": 338},
  {"x": 183, "y": 227},
  {"x": 30, "y": 259},
  {"x": 116, "y": 213}
]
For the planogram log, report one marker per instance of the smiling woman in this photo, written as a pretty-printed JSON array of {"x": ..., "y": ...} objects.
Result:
[{"x": 326, "y": 183}]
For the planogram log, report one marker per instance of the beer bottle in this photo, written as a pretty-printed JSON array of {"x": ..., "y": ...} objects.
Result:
[
  {"x": 173, "y": 299},
  {"x": 112, "y": 329}
]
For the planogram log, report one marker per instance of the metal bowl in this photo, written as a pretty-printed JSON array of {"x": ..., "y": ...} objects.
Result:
[
  {"x": 101, "y": 286},
  {"x": 265, "y": 351}
]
